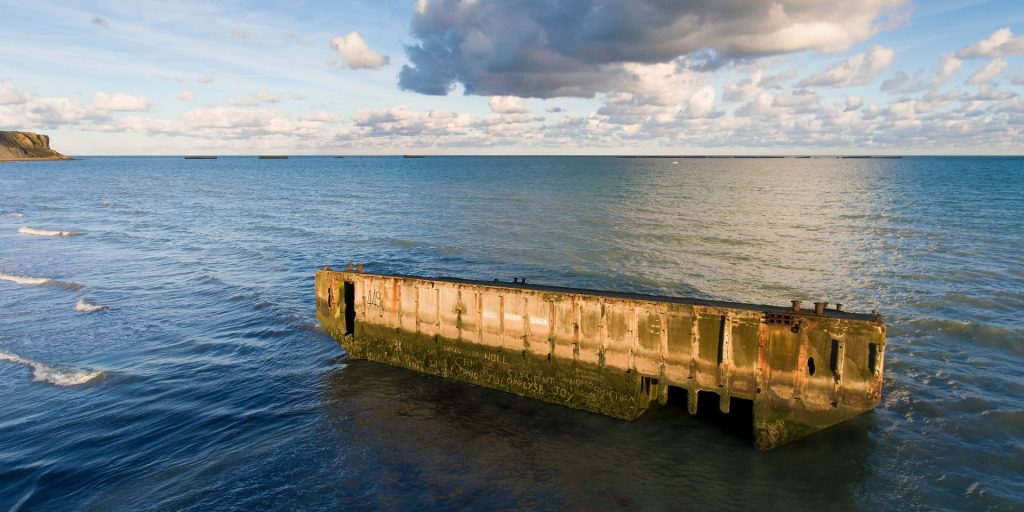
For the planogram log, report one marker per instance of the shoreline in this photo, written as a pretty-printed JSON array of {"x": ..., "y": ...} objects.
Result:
[{"x": 44, "y": 159}]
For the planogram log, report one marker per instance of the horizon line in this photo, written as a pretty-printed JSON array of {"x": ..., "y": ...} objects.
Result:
[{"x": 608, "y": 155}]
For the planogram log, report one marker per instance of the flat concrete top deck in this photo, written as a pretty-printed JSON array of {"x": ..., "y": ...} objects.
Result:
[{"x": 844, "y": 315}]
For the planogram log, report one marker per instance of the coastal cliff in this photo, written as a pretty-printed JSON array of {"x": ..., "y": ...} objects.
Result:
[{"x": 16, "y": 146}]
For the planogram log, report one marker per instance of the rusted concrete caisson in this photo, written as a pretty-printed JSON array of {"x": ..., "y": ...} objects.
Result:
[{"x": 614, "y": 353}]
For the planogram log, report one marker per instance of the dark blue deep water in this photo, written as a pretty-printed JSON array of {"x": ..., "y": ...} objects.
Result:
[{"x": 205, "y": 383}]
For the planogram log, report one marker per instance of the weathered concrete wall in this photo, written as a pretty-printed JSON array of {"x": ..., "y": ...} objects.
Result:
[{"x": 614, "y": 353}]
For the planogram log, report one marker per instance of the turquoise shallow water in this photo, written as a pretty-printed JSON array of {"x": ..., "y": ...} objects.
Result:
[{"x": 206, "y": 384}]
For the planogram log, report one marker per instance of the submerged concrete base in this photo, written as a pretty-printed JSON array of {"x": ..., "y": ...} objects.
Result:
[
  {"x": 613, "y": 354},
  {"x": 578, "y": 385}
]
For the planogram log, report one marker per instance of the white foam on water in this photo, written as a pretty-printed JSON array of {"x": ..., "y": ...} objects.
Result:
[
  {"x": 16, "y": 215},
  {"x": 24, "y": 280},
  {"x": 49, "y": 374},
  {"x": 45, "y": 232},
  {"x": 84, "y": 306}
]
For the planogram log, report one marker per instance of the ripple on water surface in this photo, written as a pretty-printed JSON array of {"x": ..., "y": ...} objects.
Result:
[
  {"x": 50, "y": 374},
  {"x": 219, "y": 390}
]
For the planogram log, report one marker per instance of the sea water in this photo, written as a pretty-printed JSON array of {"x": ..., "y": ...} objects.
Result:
[{"x": 167, "y": 356}]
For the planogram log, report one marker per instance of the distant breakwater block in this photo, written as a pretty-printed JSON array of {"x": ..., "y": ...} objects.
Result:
[{"x": 614, "y": 353}]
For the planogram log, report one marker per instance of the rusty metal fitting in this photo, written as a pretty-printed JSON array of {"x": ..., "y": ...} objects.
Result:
[
  {"x": 349, "y": 267},
  {"x": 796, "y": 306},
  {"x": 359, "y": 268},
  {"x": 819, "y": 308}
]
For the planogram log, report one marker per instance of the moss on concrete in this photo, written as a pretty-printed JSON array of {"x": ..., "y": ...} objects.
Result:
[
  {"x": 614, "y": 393},
  {"x": 804, "y": 372}
]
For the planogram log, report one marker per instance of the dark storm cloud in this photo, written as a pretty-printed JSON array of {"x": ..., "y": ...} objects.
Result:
[{"x": 544, "y": 48}]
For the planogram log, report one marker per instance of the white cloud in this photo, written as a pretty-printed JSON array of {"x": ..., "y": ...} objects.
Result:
[
  {"x": 580, "y": 50},
  {"x": 242, "y": 123},
  {"x": 43, "y": 112},
  {"x": 796, "y": 98},
  {"x": 321, "y": 116},
  {"x": 895, "y": 82},
  {"x": 507, "y": 105},
  {"x": 987, "y": 73},
  {"x": 186, "y": 96},
  {"x": 120, "y": 102},
  {"x": 10, "y": 95},
  {"x": 744, "y": 89},
  {"x": 987, "y": 92},
  {"x": 402, "y": 127},
  {"x": 1018, "y": 79},
  {"x": 667, "y": 105},
  {"x": 950, "y": 65},
  {"x": 751, "y": 86},
  {"x": 901, "y": 82},
  {"x": 859, "y": 69},
  {"x": 256, "y": 98},
  {"x": 655, "y": 94},
  {"x": 356, "y": 53},
  {"x": 400, "y": 121},
  {"x": 999, "y": 44},
  {"x": 701, "y": 103}
]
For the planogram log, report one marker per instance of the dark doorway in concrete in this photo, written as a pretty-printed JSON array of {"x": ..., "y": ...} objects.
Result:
[
  {"x": 739, "y": 422},
  {"x": 677, "y": 397},
  {"x": 350, "y": 308}
]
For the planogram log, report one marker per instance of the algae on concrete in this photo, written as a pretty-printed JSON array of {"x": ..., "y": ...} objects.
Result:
[{"x": 613, "y": 353}]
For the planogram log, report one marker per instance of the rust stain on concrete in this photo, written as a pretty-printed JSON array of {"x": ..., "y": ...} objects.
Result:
[{"x": 614, "y": 353}]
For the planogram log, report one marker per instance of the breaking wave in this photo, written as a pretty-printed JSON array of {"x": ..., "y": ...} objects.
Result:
[
  {"x": 16, "y": 215},
  {"x": 24, "y": 280},
  {"x": 45, "y": 232},
  {"x": 84, "y": 306},
  {"x": 36, "y": 281},
  {"x": 55, "y": 376}
]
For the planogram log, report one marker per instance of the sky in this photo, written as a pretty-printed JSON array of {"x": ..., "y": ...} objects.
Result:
[{"x": 516, "y": 76}]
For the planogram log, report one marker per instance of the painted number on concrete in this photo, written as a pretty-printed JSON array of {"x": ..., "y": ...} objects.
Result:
[{"x": 373, "y": 298}]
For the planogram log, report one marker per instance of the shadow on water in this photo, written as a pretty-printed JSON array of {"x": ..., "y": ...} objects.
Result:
[{"x": 436, "y": 443}]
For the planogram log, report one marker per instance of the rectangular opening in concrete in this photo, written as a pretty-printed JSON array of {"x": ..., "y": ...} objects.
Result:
[
  {"x": 873, "y": 358},
  {"x": 613, "y": 353},
  {"x": 738, "y": 422},
  {"x": 676, "y": 397},
  {"x": 835, "y": 362},
  {"x": 649, "y": 387},
  {"x": 350, "y": 308}
]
